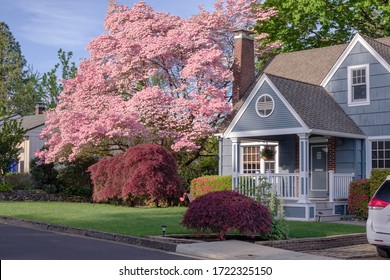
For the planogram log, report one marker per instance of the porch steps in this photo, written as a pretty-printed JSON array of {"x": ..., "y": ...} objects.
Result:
[{"x": 324, "y": 213}]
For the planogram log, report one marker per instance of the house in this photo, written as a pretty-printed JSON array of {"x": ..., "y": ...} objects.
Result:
[
  {"x": 33, "y": 125},
  {"x": 326, "y": 114}
]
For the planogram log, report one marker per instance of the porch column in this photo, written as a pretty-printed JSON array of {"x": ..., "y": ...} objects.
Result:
[
  {"x": 303, "y": 167},
  {"x": 235, "y": 162}
]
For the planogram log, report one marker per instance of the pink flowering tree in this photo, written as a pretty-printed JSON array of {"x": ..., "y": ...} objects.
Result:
[{"x": 153, "y": 78}]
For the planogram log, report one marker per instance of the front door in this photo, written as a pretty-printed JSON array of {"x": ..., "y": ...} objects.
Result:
[{"x": 318, "y": 171}]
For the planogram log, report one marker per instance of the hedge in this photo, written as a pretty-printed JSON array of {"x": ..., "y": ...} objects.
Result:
[
  {"x": 377, "y": 178},
  {"x": 206, "y": 184},
  {"x": 358, "y": 198}
]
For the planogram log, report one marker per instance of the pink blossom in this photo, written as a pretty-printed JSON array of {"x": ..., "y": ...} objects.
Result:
[{"x": 153, "y": 77}]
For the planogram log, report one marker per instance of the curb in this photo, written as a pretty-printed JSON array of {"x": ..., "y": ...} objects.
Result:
[
  {"x": 317, "y": 243},
  {"x": 131, "y": 240}
]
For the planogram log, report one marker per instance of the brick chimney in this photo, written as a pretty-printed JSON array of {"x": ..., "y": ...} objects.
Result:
[
  {"x": 40, "y": 108},
  {"x": 244, "y": 63}
]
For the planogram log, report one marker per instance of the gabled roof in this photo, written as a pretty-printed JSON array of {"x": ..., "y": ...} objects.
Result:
[
  {"x": 381, "y": 46},
  {"x": 318, "y": 110},
  {"x": 308, "y": 66},
  {"x": 300, "y": 77},
  {"x": 34, "y": 121}
]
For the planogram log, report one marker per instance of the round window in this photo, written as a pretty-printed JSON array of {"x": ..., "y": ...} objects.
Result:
[{"x": 265, "y": 105}]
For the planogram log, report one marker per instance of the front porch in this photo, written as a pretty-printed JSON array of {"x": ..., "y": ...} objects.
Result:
[{"x": 298, "y": 206}]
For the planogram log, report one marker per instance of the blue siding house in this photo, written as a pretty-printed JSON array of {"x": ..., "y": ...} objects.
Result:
[{"x": 324, "y": 112}]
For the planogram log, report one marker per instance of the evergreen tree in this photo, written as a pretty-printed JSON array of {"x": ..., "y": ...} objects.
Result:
[{"x": 11, "y": 136}]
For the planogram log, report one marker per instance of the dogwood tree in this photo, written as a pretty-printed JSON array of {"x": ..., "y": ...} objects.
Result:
[{"x": 153, "y": 77}]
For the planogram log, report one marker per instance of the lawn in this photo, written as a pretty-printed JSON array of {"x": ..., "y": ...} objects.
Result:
[{"x": 139, "y": 221}]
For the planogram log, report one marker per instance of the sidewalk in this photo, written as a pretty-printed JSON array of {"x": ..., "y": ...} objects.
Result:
[{"x": 240, "y": 250}]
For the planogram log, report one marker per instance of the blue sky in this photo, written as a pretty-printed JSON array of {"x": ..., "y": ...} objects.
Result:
[{"x": 42, "y": 27}]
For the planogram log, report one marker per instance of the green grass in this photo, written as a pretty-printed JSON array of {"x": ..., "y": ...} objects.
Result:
[
  {"x": 139, "y": 221},
  {"x": 315, "y": 229}
]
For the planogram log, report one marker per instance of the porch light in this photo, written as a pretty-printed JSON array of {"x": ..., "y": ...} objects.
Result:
[{"x": 163, "y": 229}]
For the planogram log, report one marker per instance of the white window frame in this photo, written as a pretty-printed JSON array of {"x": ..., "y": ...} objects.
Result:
[
  {"x": 273, "y": 105},
  {"x": 351, "y": 102},
  {"x": 382, "y": 159},
  {"x": 262, "y": 161}
]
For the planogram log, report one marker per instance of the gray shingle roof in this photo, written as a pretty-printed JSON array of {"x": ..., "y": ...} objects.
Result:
[
  {"x": 298, "y": 76},
  {"x": 31, "y": 122},
  {"x": 380, "y": 46},
  {"x": 315, "y": 106},
  {"x": 309, "y": 66}
]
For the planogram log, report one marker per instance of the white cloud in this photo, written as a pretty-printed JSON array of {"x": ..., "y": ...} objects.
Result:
[{"x": 67, "y": 23}]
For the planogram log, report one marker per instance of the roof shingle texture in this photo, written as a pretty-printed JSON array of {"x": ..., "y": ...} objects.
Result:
[
  {"x": 315, "y": 106},
  {"x": 309, "y": 66},
  {"x": 31, "y": 122}
]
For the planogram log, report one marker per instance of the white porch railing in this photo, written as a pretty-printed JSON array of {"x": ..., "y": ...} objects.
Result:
[
  {"x": 283, "y": 185},
  {"x": 339, "y": 185},
  {"x": 286, "y": 185}
]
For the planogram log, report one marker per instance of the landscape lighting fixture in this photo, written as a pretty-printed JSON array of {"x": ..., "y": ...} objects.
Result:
[{"x": 163, "y": 229}]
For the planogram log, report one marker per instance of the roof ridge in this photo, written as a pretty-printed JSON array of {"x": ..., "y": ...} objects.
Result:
[
  {"x": 311, "y": 49},
  {"x": 376, "y": 40},
  {"x": 293, "y": 80}
]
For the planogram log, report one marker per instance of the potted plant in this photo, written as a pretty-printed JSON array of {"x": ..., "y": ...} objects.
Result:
[{"x": 267, "y": 153}]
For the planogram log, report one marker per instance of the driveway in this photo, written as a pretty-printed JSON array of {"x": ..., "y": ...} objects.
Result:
[{"x": 20, "y": 243}]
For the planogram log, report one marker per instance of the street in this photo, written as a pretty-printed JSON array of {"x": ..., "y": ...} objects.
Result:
[{"x": 20, "y": 243}]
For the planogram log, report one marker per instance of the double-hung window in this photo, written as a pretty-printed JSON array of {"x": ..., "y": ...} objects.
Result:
[
  {"x": 252, "y": 162},
  {"x": 358, "y": 85}
]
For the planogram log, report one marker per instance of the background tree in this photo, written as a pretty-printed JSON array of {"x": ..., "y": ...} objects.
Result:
[
  {"x": 50, "y": 85},
  {"x": 11, "y": 135},
  {"x": 12, "y": 63},
  {"x": 153, "y": 78},
  {"x": 305, "y": 24}
]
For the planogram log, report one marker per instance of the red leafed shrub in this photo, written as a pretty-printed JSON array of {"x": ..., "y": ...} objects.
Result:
[
  {"x": 202, "y": 185},
  {"x": 148, "y": 171},
  {"x": 359, "y": 196},
  {"x": 219, "y": 212}
]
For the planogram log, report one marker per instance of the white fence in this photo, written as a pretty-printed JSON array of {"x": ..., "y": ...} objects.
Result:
[
  {"x": 339, "y": 185},
  {"x": 286, "y": 185}
]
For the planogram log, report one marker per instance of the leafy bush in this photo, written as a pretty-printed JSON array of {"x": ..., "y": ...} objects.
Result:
[
  {"x": 203, "y": 185},
  {"x": 4, "y": 187},
  {"x": 219, "y": 212},
  {"x": 142, "y": 171},
  {"x": 70, "y": 178},
  {"x": 205, "y": 165},
  {"x": 20, "y": 181},
  {"x": 377, "y": 178},
  {"x": 358, "y": 198},
  {"x": 279, "y": 227},
  {"x": 74, "y": 179},
  {"x": 43, "y": 174}
]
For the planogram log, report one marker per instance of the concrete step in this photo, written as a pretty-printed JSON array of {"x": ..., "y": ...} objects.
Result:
[
  {"x": 324, "y": 211},
  {"x": 328, "y": 218}
]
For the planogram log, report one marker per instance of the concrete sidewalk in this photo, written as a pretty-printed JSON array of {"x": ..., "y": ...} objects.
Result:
[{"x": 234, "y": 249}]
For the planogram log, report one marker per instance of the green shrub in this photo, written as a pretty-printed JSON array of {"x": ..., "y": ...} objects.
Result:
[
  {"x": 20, "y": 181},
  {"x": 358, "y": 198},
  {"x": 5, "y": 187},
  {"x": 377, "y": 178},
  {"x": 203, "y": 185},
  {"x": 279, "y": 226},
  {"x": 74, "y": 179},
  {"x": 43, "y": 174}
]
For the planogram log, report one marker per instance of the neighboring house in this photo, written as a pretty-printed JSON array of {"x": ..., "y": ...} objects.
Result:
[
  {"x": 326, "y": 114},
  {"x": 34, "y": 125}
]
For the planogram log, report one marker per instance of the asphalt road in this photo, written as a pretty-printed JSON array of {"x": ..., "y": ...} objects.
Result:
[{"x": 20, "y": 243}]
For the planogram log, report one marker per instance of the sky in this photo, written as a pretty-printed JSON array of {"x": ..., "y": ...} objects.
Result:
[{"x": 42, "y": 27}]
